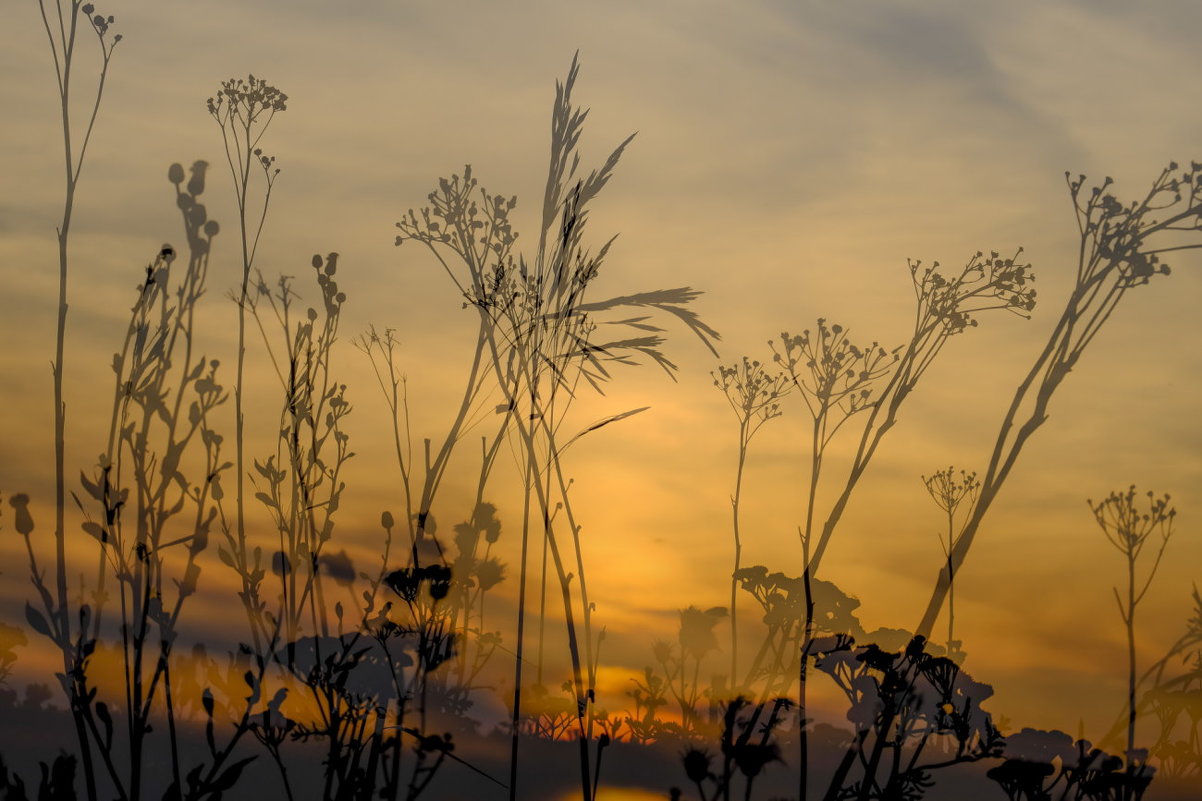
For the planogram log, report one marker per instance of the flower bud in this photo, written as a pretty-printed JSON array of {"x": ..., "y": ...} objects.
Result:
[{"x": 23, "y": 520}]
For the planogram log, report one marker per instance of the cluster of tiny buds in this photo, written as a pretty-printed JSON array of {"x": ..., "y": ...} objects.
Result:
[
  {"x": 949, "y": 490},
  {"x": 247, "y": 97},
  {"x": 750, "y": 389},
  {"x": 835, "y": 368},
  {"x": 1127, "y": 522}
]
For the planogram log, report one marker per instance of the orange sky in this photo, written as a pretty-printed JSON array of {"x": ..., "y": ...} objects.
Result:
[{"x": 790, "y": 157}]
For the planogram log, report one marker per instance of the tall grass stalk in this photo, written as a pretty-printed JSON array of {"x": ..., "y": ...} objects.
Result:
[
  {"x": 546, "y": 322},
  {"x": 539, "y": 334},
  {"x": 64, "y": 23}
]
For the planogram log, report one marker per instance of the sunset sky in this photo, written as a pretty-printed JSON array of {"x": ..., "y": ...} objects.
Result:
[{"x": 790, "y": 157}]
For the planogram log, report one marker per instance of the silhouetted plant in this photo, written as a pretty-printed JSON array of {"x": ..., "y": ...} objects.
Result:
[
  {"x": 901, "y": 703},
  {"x": 302, "y": 481},
  {"x": 539, "y": 330},
  {"x": 1039, "y": 765},
  {"x": 429, "y": 628},
  {"x": 754, "y": 396},
  {"x": 72, "y": 18},
  {"x": 946, "y": 307},
  {"x": 783, "y": 600},
  {"x": 164, "y": 396},
  {"x": 1120, "y": 250},
  {"x": 1129, "y": 525},
  {"x": 949, "y": 493},
  {"x": 746, "y": 745},
  {"x": 243, "y": 109},
  {"x": 471, "y": 575},
  {"x": 840, "y": 380},
  {"x": 681, "y": 662},
  {"x": 153, "y": 520},
  {"x": 835, "y": 378},
  {"x": 363, "y": 682},
  {"x": 1174, "y": 698},
  {"x": 648, "y": 695},
  {"x": 475, "y": 572},
  {"x": 381, "y": 352}
]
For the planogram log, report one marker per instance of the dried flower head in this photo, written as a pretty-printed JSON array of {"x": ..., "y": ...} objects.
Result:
[
  {"x": 1128, "y": 521},
  {"x": 754, "y": 393},
  {"x": 949, "y": 490},
  {"x": 830, "y": 370},
  {"x": 984, "y": 283},
  {"x": 247, "y": 101}
]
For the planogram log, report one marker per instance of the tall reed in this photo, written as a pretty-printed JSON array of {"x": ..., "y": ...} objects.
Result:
[
  {"x": 547, "y": 321},
  {"x": 538, "y": 332}
]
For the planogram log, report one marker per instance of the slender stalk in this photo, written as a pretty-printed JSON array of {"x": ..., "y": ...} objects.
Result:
[
  {"x": 950, "y": 492},
  {"x": 735, "y": 501},
  {"x": 754, "y": 396},
  {"x": 1129, "y": 526},
  {"x": 63, "y": 43},
  {"x": 244, "y": 110},
  {"x": 519, "y": 648}
]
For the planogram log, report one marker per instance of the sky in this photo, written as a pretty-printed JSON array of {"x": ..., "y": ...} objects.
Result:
[{"x": 790, "y": 157}]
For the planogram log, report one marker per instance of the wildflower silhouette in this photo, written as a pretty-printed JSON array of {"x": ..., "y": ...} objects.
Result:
[
  {"x": 63, "y": 35},
  {"x": 243, "y": 110},
  {"x": 949, "y": 493},
  {"x": 1130, "y": 525},
  {"x": 754, "y": 395},
  {"x": 844, "y": 380},
  {"x": 1121, "y": 249}
]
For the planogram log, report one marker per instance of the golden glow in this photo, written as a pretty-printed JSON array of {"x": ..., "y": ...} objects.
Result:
[{"x": 618, "y": 794}]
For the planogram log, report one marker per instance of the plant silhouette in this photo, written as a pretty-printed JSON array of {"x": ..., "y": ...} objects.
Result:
[
  {"x": 1129, "y": 528},
  {"x": 454, "y": 641},
  {"x": 1120, "y": 250}
]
